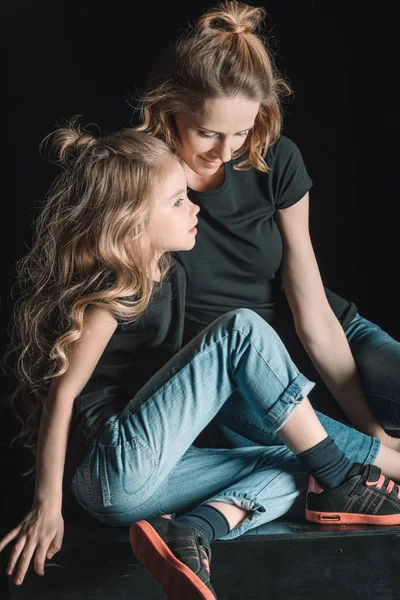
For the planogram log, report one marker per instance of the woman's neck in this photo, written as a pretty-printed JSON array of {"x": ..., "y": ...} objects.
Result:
[{"x": 204, "y": 183}]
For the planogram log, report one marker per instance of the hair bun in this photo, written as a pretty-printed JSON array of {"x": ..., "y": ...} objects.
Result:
[
  {"x": 232, "y": 17},
  {"x": 68, "y": 142}
]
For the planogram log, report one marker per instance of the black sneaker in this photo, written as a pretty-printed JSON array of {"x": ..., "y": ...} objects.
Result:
[
  {"x": 177, "y": 556},
  {"x": 366, "y": 498}
]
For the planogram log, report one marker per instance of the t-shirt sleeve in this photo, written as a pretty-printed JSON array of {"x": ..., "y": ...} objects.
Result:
[
  {"x": 104, "y": 283},
  {"x": 289, "y": 178}
]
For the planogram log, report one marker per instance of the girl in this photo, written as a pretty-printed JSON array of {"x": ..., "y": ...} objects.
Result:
[
  {"x": 215, "y": 98},
  {"x": 110, "y": 393}
]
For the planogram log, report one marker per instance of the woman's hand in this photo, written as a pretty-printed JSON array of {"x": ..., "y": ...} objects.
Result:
[{"x": 40, "y": 533}]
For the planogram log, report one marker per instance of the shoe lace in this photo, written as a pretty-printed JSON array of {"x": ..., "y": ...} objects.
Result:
[{"x": 389, "y": 484}]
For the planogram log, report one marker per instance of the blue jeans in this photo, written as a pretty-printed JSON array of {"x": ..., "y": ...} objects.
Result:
[
  {"x": 144, "y": 463},
  {"x": 377, "y": 356}
]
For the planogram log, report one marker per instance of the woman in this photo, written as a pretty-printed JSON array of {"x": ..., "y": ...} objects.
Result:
[{"x": 215, "y": 98}]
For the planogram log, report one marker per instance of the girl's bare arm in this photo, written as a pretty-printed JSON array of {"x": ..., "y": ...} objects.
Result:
[
  {"x": 41, "y": 531},
  {"x": 56, "y": 419}
]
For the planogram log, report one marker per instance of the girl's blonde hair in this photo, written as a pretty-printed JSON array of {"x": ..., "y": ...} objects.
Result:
[
  {"x": 89, "y": 249},
  {"x": 224, "y": 55}
]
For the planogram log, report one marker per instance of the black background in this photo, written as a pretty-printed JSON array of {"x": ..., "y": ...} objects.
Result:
[
  {"x": 342, "y": 60},
  {"x": 64, "y": 58}
]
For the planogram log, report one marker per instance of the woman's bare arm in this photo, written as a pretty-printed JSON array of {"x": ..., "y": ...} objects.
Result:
[{"x": 316, "y": 325}]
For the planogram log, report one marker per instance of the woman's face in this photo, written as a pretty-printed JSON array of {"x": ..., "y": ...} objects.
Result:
[{"x": 208, "y": 140}]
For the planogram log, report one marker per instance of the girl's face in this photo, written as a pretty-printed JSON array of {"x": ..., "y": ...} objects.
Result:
[
  {"x": 172, "y": 222},
  {"x": 209, "y": 140}
]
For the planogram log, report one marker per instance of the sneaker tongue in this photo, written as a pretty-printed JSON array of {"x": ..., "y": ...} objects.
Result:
[
  {"x": 372, "y": 472},
  {"x": 368, "y": 471}
]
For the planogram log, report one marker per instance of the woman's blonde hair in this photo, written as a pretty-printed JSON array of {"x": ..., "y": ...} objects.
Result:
[
  {"x": 224, "y": 55},
  {"x": 89, "y": 249}
]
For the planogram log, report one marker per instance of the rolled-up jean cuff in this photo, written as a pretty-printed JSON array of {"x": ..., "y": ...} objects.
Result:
[
  {"x": 255, "y": 509},
  {"x": 289, "y": 401},
  {"x": 373, "y": 453}
]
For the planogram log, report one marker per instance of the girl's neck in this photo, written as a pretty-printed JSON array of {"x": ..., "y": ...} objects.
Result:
[
  {"x": 156, "y": 275},
  {"x": 155, "y": 271}
]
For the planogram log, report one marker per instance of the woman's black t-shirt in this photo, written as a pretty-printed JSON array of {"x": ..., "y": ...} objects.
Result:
[
  {"x": 133, "y": 355},
  {"x": 238, "y": 253}
]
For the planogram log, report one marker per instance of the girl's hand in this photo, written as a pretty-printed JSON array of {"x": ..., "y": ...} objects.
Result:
[{"x": 41, "y": 532}]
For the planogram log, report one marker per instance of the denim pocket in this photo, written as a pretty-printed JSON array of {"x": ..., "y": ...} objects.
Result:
[{"x": 126, "y": 471}]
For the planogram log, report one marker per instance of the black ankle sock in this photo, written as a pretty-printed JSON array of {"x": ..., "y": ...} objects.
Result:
[
  {"x": 207, "y": 519},
  {"x": 326, "y": 463}
]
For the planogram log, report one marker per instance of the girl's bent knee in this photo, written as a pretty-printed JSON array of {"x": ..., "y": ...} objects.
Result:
[
  {"x": 245, "y": 317},
  {"x": 250, "y": 323}
]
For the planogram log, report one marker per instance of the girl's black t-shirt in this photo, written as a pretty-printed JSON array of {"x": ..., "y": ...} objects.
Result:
[
  {"x": 133, "y": 355},
  {"x": 238, "y": 253}
]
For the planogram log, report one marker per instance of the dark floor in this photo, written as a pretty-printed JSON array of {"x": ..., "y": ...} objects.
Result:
[
  {"x": 282, "y": 565},
  {"x": 279, "y": 561}
]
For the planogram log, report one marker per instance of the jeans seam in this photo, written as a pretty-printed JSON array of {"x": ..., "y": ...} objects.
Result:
[
  {"x": 262, "y": 358},
  {"x": 210, "y": 347},
  {"x": 106, "y": 488},
  {"x": 139, "y": 506},
  {"x": 178, "y": 373},
  {"x": 87, "y": 474}
]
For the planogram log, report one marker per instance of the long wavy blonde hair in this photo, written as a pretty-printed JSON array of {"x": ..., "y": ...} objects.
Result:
[
  {"x": 89, "y": 249},
  {"x": 225, "y": 54}
]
